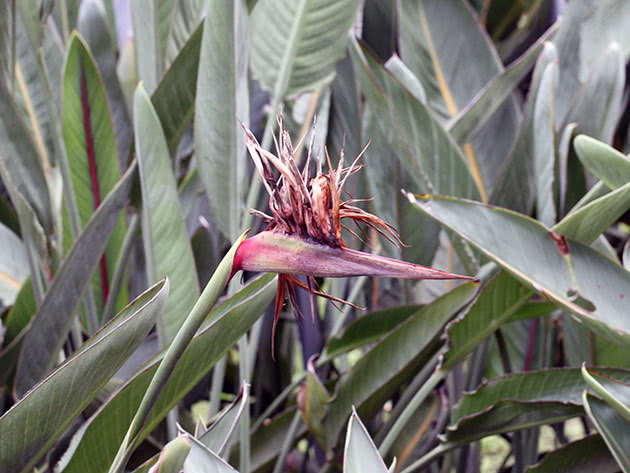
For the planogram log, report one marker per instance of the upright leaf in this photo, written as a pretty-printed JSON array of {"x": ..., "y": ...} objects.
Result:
[
  {"x": 360, "y": 454},
  {"x": 88, "y": 133},
  {"x": 302, "y": 44},
  {"x": 95, "y": 445},
  {"x": 439, "y": 41},
  {"x": 166, "y": 243},
  {"x": 186, "y": 17},
  {"x": 52, "y": 321},
  {"x": 544, "y": 148},
  {"x": 46, "y": 411},
  {"x": 222, "y": 99},
  {"x": 13, "y": 265},
  {"x": 147, "y": 44}
]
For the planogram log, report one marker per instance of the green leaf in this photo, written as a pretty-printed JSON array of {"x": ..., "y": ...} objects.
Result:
[
  {"x": 38, "y": 419},
  {"x": 174, "y": 98},
  {"x": 386, "y": 177},
  {"x": 608, "y": 164},
  {"x": 27, "y": 173},
  {"x": 441, "y": 40},
  {"x": 413, "y": 132},
  {"x": 186, "y": 17},
  {"x": 544, "y": 146},
  {"x": 614, "y": 392},
  {"x": 145, "y": 17},
  {"x": 52, "y": 321},
  {"x": 588, "y": 222},
  {"x": 574, "y": 281},
  {"x": 599, "y": 100},
  {"x": 222, "y": 100},
  {"x": 7, "y": 12},
  {"x": 583, "y": 456},
  {"x": 367, "y": 329},
  {"x": 166, "y": 243},
  {"x": 171, "y": 459},
  {"x": 314, "y": 400},
  {"x": 13, "y": 265},
  {"x": 402, "y": 349},
  {"x": 498, "y": 302},
  {"x": 360, "y": 454},
  {"x": 217, "y": 437},
  {"x": 521, "y": 400},
  {"x": 92, "y": 25},
  {"x": 466, "y": 123},
  {"x": 202, "y": 460},
  {"x": 515, "y": 188},
  {"x": 95, "y": 445},
  {"x": 613, "y": 428},
  {"x": 88, "y": 134},
  {"x": 302, "y": 44}
]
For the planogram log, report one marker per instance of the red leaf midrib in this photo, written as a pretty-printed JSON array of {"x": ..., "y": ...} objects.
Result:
[{"x": 89, "y": 147}]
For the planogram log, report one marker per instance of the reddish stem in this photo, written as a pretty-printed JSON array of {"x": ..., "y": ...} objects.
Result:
[{"x": 96, "y": 192}]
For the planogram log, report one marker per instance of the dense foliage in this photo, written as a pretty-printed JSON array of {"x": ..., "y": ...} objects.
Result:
[{"x": 498, "y": 140}]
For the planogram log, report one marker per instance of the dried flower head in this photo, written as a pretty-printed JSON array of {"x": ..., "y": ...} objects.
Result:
[{"x": 303, "y": 234}]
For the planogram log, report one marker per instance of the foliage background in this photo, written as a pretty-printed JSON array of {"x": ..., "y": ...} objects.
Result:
[{"x": 122, "y": 162}]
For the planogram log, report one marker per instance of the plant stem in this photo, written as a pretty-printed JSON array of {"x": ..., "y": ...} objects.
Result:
[
  {"x": 185, "y": 334},
  {"x": 288, "y": 442},
  {"x": 415, "y": 402}
]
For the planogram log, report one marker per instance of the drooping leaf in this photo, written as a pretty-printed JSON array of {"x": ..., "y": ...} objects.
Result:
[
  {"x": 542, "y": 262},
  {"x": 166, "y": 243},
  {"x": 90, "y": 143},
  {"x": 222, "y": 100},
  {"x": 582, "y": 456},
  {"x": 402, "y": 348},
  {"x": 95, "y": 445},
  {"x": 521, "y": 400},
  {"x": 52, "y": 321},
  {"x": 302, "y": 44},
  {"x": 38, "y": 419}
]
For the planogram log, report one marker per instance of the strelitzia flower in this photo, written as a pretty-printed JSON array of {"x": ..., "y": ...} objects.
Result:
[{"x": 303, "y": 233}]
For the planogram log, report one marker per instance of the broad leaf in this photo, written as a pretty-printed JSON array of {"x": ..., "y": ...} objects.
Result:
[
  {"x": 564, "y": 271},
  {"x": 186, "y": 17},
  {"x": 302, "y": 44},
  {"x": 429, "y": 154},
  {"x": 52, "y": 321},
  {"x": 166, "y": 243},
  {"x": 222, "y": 99},
  {"x": 90, "y": 143},
  {"x": 404, "y": 347},
  {"x": 95, "y": 445},
  {"x": 582, "y": 456},
  {"x": 608, "y": 164},
  {"x": 499, "y": 301},
  {"x": 521, "y": 400},
  {"x": 438, "y": 41},
  {"x": 38, "y": 419}
]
